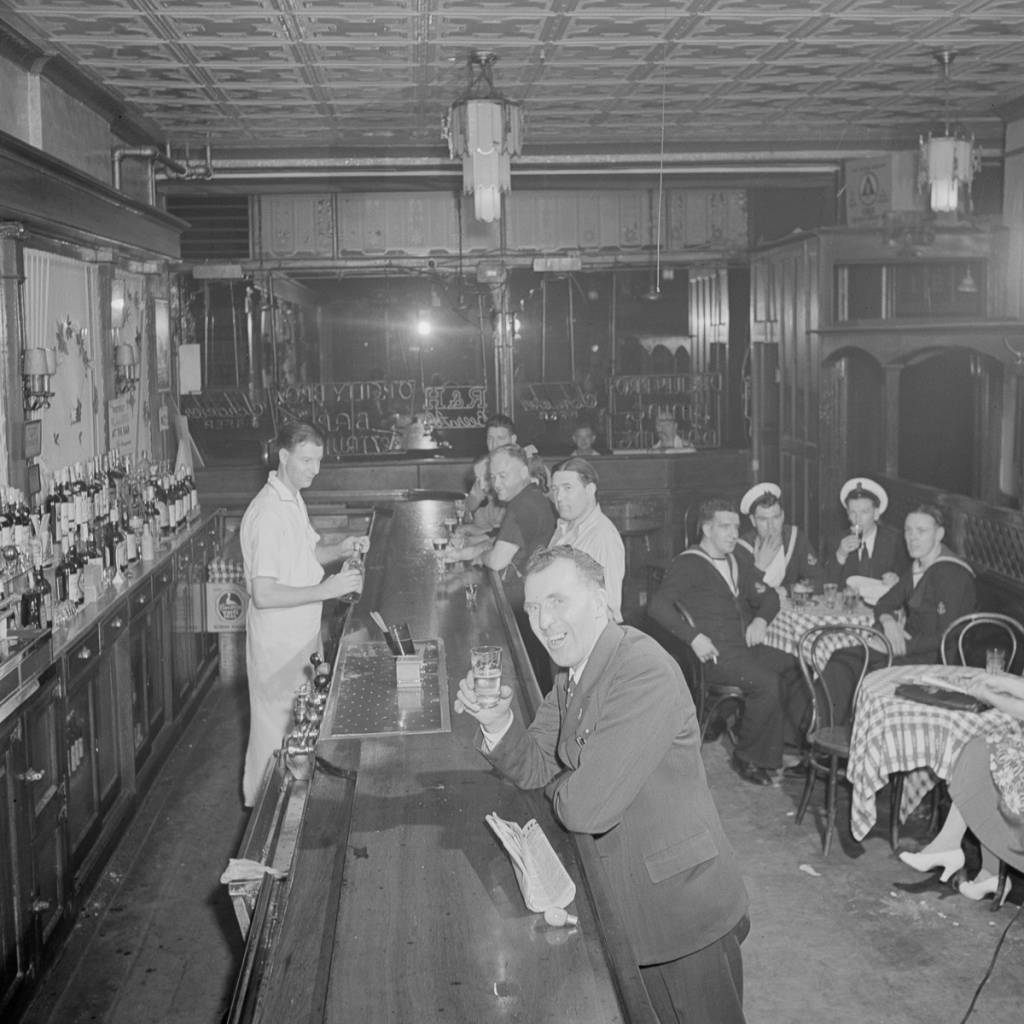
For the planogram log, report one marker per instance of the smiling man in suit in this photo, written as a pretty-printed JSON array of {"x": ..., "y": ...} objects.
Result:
[{"x": 616, "y": 746}]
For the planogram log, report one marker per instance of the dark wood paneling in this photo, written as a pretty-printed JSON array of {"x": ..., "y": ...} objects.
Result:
[{"x": 52, "y": 197}]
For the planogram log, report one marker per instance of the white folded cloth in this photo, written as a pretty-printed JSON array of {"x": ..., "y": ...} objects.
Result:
[
  {"x": 869, "y": 588},
  {"x": 542, "y": 877},
  {"x": 240, "y": 869}
]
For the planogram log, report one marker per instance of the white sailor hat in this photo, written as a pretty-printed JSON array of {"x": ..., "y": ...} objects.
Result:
[
  {"x": 757, "y": 492},
  {"x": 862, "y": 487}
]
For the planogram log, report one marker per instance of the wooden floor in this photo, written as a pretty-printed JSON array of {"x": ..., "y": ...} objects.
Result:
[{"x": 856, "y": 938}]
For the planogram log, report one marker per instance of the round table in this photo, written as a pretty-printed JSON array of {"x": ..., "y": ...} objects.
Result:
[
  {"x": 786, "y": 629},
  {"x": 892, "y": 734}
]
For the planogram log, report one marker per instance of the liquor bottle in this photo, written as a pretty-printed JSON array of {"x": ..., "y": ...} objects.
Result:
[
  {"x": 148, "y": 544},
  {"x": 22, "y": 522},
  {"x": 79, "y": 496},
  {"x": 163, "y": 514},
  {"x": 6, "y": 522},
  {"x": 131, "y": 537},
  {"x": 67, "y": 574},
  {"x": 31, "y": 600},
  {"x": 45, "y": 598},
  {"x": 91, "y": 549},
  {"x": 118, "y": 544},
  {"x": 67, "y": 507}
]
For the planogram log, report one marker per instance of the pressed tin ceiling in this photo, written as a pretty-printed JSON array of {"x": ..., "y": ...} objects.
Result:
[{"x": 758, "y": 78}]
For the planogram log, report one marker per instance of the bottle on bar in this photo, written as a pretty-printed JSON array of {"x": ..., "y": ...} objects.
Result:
[
  {"x": 31, "y": 604},
  {"x": 79, "y": 497},
  {"x": 45, "y": 598},
  {"x": 163, "y": 514},
  {"x": 6, "y": 522},
  {"x": 131, "y": 538}
]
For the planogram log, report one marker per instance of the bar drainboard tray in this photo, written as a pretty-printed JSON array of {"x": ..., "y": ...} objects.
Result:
[{"x": 369, "y": 703}]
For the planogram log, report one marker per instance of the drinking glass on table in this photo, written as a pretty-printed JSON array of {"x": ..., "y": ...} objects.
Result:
[
  {"x": 460, "y": 509},
  {"x": 450, "y": 522},
  {"x": 485, "y": 663},
  {"x": 830, "y": 592},
  {"x": 440, "y": 546},
  {"x": 995, "y": 659}
]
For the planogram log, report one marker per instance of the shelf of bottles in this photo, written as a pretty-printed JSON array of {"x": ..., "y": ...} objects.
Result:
[{"x": 98, "y": 520}]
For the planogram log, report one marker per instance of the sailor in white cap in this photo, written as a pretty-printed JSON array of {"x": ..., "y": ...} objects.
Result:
[
  {"x": 936, "y": 589},
  {"x": 781, "y": 552},
  {"x": 871, "y": 548}
]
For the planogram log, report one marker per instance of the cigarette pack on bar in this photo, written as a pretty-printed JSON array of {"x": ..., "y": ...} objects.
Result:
[{"x": 408, "y": 671}]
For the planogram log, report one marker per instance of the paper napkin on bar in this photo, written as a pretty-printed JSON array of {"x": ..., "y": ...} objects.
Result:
[{"x": 542, "y": 877}]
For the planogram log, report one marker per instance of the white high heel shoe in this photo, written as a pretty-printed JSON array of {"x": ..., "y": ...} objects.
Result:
[
  {"x": 950, "y": 861},
  {"x": 980, "y": 890}
]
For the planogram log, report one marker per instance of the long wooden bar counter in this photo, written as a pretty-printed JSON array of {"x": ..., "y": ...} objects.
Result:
[{"x": 398, "y": 903}]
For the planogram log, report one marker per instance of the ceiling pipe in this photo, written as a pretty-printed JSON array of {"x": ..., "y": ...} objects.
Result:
[{"x": 153, "y": 156}]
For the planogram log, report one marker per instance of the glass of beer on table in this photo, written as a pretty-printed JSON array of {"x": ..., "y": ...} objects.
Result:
[{"x": 485, "y": 663}]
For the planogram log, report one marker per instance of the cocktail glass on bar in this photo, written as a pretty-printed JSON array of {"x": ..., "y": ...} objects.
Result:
[{"x": 485, "y": 663}]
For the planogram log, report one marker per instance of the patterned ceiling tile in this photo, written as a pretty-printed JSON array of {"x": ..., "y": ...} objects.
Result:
[{"x": 287, "y": 74}]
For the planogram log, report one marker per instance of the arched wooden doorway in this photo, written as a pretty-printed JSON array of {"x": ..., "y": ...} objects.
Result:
[{"x": 937, "y": 420}]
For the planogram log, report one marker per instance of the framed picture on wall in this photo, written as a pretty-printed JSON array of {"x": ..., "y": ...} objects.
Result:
[
  {"x": 34, "y": 479},
  {"x": 162, "y": 331},
  {"x": 33, "y": 443}
]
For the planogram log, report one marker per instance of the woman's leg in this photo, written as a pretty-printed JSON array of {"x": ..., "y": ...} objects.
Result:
[{"x": 951, "y": 835}]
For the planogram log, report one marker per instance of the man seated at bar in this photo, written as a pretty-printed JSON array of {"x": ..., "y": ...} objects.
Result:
[
  {"x": 714, "y": 584},
  {"x": 528, "y": 522},
  {"x": 617, "y": 748},
  {"x": 667, "y": 429},
  {"x": 486, "y": 512},
  {"x": 501, "y": 430},
  {"x": 284, "y": 563},
  {"x": 781, "y": 552},
  {"x": 585, "y": 443},
  {"x": 582, "y": 525},
  {"x": 937, "y": 589},
  {"x": 870, "y": 548}
]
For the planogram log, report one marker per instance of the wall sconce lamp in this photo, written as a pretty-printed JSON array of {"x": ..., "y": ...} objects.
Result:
[
  {"x": 126, "y": 369},
  {"x": 39, "y": 366}
]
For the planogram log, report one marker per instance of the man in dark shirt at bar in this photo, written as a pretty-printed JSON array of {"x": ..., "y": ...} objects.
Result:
[
  {"x": 528, "y": 523},
  {"x": 616, "y": 747}
]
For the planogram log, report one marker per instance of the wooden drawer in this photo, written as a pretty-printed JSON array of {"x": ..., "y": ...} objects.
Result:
[
  {"x": 142, "y": 597},
  {"x": 82, "y": 654},
  {"x": 113, "y": 626}
]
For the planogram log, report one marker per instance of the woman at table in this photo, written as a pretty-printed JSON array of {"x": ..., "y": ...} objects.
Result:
[
  {"x": 937, "y": 589},
  {"x": 987, "y": 787}
]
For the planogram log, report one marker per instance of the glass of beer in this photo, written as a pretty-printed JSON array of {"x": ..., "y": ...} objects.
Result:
[
  {"x": 995, "y": 659},
  {"x": 485, "y": 663}
]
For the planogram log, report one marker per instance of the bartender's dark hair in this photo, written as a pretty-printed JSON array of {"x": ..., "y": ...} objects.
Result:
[
  {"x": 708, "y": 509},
  {"x": 590, "y": 570},
  {"x": 297, "y": 432},
  {"x": 583, "y": 469},
  {"x": 930, "y": 510},
  {"x": 501, "y": 420}
]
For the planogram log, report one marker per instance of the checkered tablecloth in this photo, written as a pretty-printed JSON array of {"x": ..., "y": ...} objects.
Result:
[
  {"x": 785, "y": 630},
  {"x": 891, "y": 734}
]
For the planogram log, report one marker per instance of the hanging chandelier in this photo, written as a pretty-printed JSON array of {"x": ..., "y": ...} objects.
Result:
[
  {"x": 948, "y": 161},
  {"x": 485, "y": 130}
]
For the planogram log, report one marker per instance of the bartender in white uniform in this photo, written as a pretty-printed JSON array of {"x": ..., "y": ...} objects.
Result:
[
  {"x": 284, "y": 574},
  {"x": 782, "y": 553}
]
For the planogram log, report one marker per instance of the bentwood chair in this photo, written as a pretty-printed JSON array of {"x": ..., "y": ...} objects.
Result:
[
  {"x": 964, "y": 642},
  {"x": 965, "y": 639},
  {"x": 827, "y": 740},
  {"x": 710, "y": 699}
]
